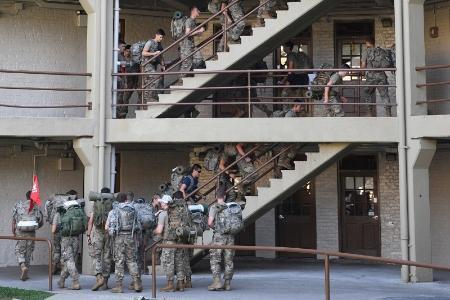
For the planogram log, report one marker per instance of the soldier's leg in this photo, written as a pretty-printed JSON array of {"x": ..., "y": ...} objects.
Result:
[
  {"x": 119, "y": 259},
  {"x": 237, "y": 12},
  {"x": 266, "y": 10},
  {"x": 187, "y": 59},
  {"x": 198, "y": 60},
  {"x": 180, "y": 267},
  {"x": 228, "y": 256},
  {"x": 20, "y": 251},
  {"x": 368, "y": 93},
  {"x": 131, "y": 260},
  {"x": 155, "y": 82},
  {"x": 167, "y": 261},
  {"x": 56, "y": 248},
  {"x": 107, "y": 257},
  {"x": 97, "y": 244},
  {"x": 384, "y": 94},
  {"x": 335, "y": 109},
  {"x": 69, "y": 253},
  {"x": 149, "y": 82},
  {"x": 29, "y": 252},
  {"x": 215, "y": 256}
]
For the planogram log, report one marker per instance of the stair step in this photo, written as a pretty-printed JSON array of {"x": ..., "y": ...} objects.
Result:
[{"x": 275, "y": 182}]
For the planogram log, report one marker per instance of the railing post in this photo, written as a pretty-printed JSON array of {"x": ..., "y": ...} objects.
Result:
[
  {"x": 225, "y": 32},
  {"x": 327, "y": 277},
  {"x": 249, "y": 91},
  {"x": 154, "y": 271}
]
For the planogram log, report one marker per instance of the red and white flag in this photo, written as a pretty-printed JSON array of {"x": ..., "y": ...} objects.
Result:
[{"x": 35, "y": 193}]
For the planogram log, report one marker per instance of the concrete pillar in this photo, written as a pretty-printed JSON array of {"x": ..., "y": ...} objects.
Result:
[
  {"x": 414, "y": 55},
  {"x": 420, "y": 154},
  {"x": 265, "y": 233}
]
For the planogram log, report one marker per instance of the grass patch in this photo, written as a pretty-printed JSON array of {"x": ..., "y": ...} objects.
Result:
[{"x": 7, "y": 293}]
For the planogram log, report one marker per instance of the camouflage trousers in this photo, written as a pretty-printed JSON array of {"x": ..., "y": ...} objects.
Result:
[
  {"x": 102, "y": 252},
  {"x": 187, "y": 261},
  {"x": 237, "y": 12},
  {"x": 287, "y": 157},
  {"x": 172, "y": 261},
  {"x": 245, "y": 169},
  {"x": 69, "y": 252},
  {"x": 186, "y": 49},
  {"x": 334, "y": 108},
  {"x": 145, "y": 239},
  {"x": 266, "y": 8},
  {"x": 215, "y": 259},
  {"x": 129, "y": 82},
  {"x": 56, "y": 247},
  {"x": 151, "y": 82},
  {"x": 24, "y": 249},
  {"x": 124, "y": 252},
  {"x": 225, "y": 180},
  {"x": 377, "y": 78}
]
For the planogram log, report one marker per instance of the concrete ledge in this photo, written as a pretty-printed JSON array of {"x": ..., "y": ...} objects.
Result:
[
  {"x": 429, "y": 126},
  {"x": 314, "y": 130},
  {"x": 46, "y": 127}
]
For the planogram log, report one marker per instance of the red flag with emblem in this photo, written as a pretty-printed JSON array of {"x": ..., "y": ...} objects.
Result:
[{"x": 35, "y": 193}]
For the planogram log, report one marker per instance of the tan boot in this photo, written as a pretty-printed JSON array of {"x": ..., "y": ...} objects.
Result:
[
  {"x": 188, "y": 283},
  {"x": 54, "y": 269},
  {"x": 98, "y": 282},
  {"x": 76, "y": 285},
  {"x": 23, "y": 272},
  {"x": 216, "y": 285},
  {"x": 61, "y": 282},
  {"x": 104, "y": 286},
  {"x": 138, "y": 285},
  {"x": 118, "y": 288},
  {"x": 180, "y": 286},
  {"x": 227, "y": 285},
  {"x": 131, "y": 286},
  {"x": 169, "y": 287}
]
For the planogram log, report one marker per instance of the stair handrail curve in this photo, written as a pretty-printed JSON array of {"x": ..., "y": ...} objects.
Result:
[{"x": 207, "y": 42}]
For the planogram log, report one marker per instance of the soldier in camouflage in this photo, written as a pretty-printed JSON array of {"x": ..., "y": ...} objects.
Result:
[
  {"x": 151, "y": 49},
  {"x": 237, "y": 13},
  {"x": 127, "y": 65},
  {"x": 124, "y": 243},
  {"x": 371, "y": 58},
  {"x": 187, "y": 46},
  {"x": 267, "y": 10},
  {"x": 216, "y": 254},
  {"x": 172, "y": 259},
  {"x": 24, "y": 249},
  {"x": 332, "y": 94},
  {"x": 101, "y": 244}
]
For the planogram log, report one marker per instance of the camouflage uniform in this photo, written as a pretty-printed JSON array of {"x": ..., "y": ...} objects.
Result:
[
  {"x": 225, "y": 180},
  {"x": 334, "y": 109},
  {"x": 24, "y": 249},
  {"x": 151, "y": 81},
  {"x": 245, "y": 167},
  {"x": 102, "y": 252},
  {"x": 125, "y": 252},
  {"x": 237, "y": 12},
  {"x": 267, "y": 8},
  {"x": 375, "y": 78},
  {"x": 69, "y": 252},
  {"x": 173, "y": 260},
  {"x": 56, "y": 255},
  {"x": 127, "y": 82},
  {"x": 187, "y": 47},
  {"x": 216, "y": 254}
]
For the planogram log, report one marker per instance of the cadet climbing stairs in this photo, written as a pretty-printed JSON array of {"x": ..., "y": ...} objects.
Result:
[
  {"x": 252, "y": 48},
  {"x": 290, "y": 181}
]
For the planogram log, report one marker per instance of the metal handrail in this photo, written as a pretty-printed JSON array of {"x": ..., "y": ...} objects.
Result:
[
  {"x": 266, "y": 102},
  {"x": 30, "y": 88},
  {"x": 326, "y": 254},
  {"x": 37, "y": 239},
  {"x": 223, "y": 171},
  {"x": 88, "y": 106},
  {"x": 432, "y": 67},
  {"x": 44, "y": 73},
  {"x": 146, "y": 249}
]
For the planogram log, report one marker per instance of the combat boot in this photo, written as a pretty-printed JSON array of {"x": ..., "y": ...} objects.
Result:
[
  {"x": 54, "y": 269},
  {"x": 216, "y": 284},
  {"x": 227, "y": 285},
  {"x": 76, "y": 285},
  {"x": 118, "y": 288},
  {"x": 104, "y": 286},
  {"x": 137, "y": 282},
  {"x": 131, "y": 286},
  {"x": 169, "y": 287},
  {"x": 61, "y": 282},
  {"x": 180, "y": 286},
  {"x": 23, "y": 272},
  {"x": 187, "y": 282},
  {"x": 98, "y": 283}
]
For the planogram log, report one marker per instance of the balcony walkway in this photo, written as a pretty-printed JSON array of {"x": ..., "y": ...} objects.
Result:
[{"x": 266, "y": 279}]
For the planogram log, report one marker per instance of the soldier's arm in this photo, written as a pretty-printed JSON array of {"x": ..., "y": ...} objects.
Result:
[
  {"x": 326, "y": 93},
  {"x": 211, "y": 222},
  {"x": 146, "y": 52},
  {"x": 90, "y": 224},
  {"x": 54, "y": 228},
  {"x": 159, "y": 229},
  {"x": 183, "y": 189},
  {"x": 13, "y": 227}
]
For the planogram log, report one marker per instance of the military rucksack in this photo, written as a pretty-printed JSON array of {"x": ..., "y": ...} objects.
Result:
[
  {"x": 229, "y": 219},
  {"x": 27, "y": 221},
  {"x": 101, "y": 209},
  {"x": 136, "y": 52},
  {"x": 212, "y": 158},
  {"x": 178, "y": 25},
  {"x": 146, "y": 215},
  {"x": 176, "y": 176},
  {"x": 322, "y": 78},
  {"x": 73, "y": 221},
  {"x": 126, "y": 217},
  {"x": 180, "y": 227},
  {"x": 51, "y": 205},
  {"x": 199, "y": 216},
  {"x": 280, "y": 113},
  {"x": 379, "y": 58}
]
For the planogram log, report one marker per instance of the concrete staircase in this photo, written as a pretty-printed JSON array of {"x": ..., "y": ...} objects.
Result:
[
  {"x": 279, "y": 189},
  {"x": 265, "y": 39}
]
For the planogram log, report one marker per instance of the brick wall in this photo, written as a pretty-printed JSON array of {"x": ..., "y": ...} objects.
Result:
[
  {"x": 327, "y": 216},
  {"x": 389, "y": 203},
  {"x": 16, "y": 170},
  {"x": 42, "y": 39},
  {"x": 440, "y": 207}
]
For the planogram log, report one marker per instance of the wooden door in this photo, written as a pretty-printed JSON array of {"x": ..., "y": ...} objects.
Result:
[
  {"x": 360, "y": 213},
  {"x": 296, "y": 221}
]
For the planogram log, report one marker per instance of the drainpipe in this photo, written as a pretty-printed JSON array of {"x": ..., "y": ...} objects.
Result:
[
  {"x": 102, "y": 100},
  {"x": 403, "y": 142},
  {"x": 114, "y": 94}
]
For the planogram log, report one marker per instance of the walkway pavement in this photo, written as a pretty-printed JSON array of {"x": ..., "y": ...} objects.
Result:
[{"x": 265, "y": 279}]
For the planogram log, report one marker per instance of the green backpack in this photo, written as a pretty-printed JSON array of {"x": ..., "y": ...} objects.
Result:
[
  {"x": 73, "y": 221},
  {"x": 181, "y": 228},
  {"x": 101, "y": 209}
]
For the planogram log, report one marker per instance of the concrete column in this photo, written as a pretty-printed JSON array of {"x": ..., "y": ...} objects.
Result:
[
  {"x": 414, "y": 55},
  {"x": 420, "y": 154},
  {"x": 265, "y": 233}
]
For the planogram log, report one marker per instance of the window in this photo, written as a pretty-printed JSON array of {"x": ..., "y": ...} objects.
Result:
[{"x": 359, "y": 196}]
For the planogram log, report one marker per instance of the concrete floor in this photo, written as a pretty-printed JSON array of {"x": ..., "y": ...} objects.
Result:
[{"x": 266, "y": 279}]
